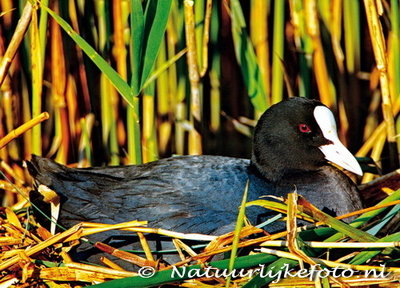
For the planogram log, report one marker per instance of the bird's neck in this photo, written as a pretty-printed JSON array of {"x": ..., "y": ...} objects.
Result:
[
  {"x": 271, "y": 174},
  {"x": 276, "y": 174}
]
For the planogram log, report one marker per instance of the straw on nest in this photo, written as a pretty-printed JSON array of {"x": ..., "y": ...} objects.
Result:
[{"x": 32, "y": 257}]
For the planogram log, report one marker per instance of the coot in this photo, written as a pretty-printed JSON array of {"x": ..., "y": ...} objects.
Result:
[{"x": 294, "y": 141}]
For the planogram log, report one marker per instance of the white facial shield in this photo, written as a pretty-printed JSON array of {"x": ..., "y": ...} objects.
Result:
[{"x": 336, "y": 152}]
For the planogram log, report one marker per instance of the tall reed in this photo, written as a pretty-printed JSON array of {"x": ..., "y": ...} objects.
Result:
[{"x": 149, "y": 100}]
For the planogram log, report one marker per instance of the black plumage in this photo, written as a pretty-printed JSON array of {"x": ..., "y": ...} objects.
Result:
[{"x": 201, "y": 194}]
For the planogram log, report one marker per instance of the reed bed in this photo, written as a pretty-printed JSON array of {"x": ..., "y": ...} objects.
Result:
[
  {"x": 127, "y": 81},
  {"x": 33, "y": 257}
]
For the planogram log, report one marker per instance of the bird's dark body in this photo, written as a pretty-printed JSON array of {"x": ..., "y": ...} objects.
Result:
[
  {"x": 202, "y": 194},
  {"x": 161, "y": 193}
]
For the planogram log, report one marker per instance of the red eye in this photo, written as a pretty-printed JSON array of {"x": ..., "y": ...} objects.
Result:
[{"x": 304, "y": 128}]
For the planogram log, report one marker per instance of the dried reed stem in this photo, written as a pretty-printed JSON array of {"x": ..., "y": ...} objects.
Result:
[
  {"x": 378, "y": 45},
  {"x": 23, "y": 128},
  {"x": 16, "y": 40},
  {"x": 195, "y": 146}
]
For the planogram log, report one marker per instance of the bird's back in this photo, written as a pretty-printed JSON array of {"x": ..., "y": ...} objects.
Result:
[{"x": 198, "y": 194}]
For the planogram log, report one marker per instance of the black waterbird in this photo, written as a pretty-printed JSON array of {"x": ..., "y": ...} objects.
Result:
[{"x": 294, "y": 143}]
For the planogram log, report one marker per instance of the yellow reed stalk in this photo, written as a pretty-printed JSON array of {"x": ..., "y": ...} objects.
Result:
[
  {"x": 66, "y": 258},
  {"x": 325, "y": 87},
  {"x": 72, "y": 101},
  {"x": 81, "y": 67},
  {"x": 380, "y": 179},
  {"x": 112, "y": 94},
  {"x": 163, "y": 104},
  {"x": 378, "y": 45},
  {"x": 8, "y": 240},
  {"x": 369, "y": 144},
  {"x": 259, "y": 37},
  {"x": 377, "y": 132},
  {"x": 172, "y": 40},
  {"x": 145, "y": 246},
  {"x": 375, "y": 155},
  {"x": 206, "y": 38},
  {"x": 37, "y": 81},
  {"x": 42, "y": 245},
  {"x": 59, "y": 84},
  {"x": 120, "y": 53},
  {"x": 358, "y": 212},
  {"x": 127, "y": 256},
  {"x": 246, "y": 243},
  {"x": 226, "y": 239},
  {"x": 15, "y": 41},
  {"x": 187, "y": 236},
  {"x": 6, "y": 92},
  {"x": 9, "y": 253},
  {"x": 86, "y": 125},
  {"x": 12, "y": 218},
  {"x": 77, "y": 274},
  {"x": 163, "y": 66},
  {"x": 291, "y": 225},
  {"x": 336, "y": 32},
  {"x": 111, "y": 264},
  {"x": 11, "y": 171},
  {"x": 97, "y": 269},
  {"x": 180, "y": 116},
  {"x": 119, "y": 49},
  {"x": 321, "y": 71},
  {"x": 114, "y": 226},
  {"x": 148, "y": 128},
  {"x": 179, "y": 250},
  {"x": 91, "y": 228},
  {"x": 371, "y": 122},
  {"x": 26, "y": 116},
  {"x": 7, "y": 6},
  {"x": 26, "y": 266},
  {"x": 195, "y": 146},
  {"x": 180, "y": 245},
  {"x": 24, "y": 127},
  {"x": 20, "y": 233},
  {"x": 215, "y": 99},
  {"x": 20, "y": 204},
  {"x": 8, "y": 106}
]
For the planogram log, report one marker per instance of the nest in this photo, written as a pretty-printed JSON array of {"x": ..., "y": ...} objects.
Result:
[{"x": 328, "y": 252}]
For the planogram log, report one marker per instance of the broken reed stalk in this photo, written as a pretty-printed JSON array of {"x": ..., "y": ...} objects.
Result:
[
  {"x": 358, "y": 212},
  {"x": 292, "y": 240},
  {"x": 187, "y": 236},
  {"x": 161, "y": 69},
  {"x": 39, "y": 247},
  {"x": 378, "y": 45},
  {"x": 104, "y": 270},
  {"x": 23, "y": 128}
]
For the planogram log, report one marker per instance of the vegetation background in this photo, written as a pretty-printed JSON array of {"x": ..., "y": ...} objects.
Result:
[
  {"x": 130, "y": 81},
  {"x": 197, "y": 87}
]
